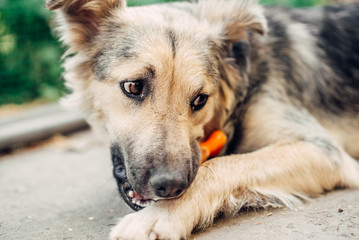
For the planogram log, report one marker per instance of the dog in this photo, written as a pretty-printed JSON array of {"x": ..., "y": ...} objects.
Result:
[{"x": 155, "y": 81}]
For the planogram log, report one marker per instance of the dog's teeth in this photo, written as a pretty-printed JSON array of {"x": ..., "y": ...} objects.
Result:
[
  {"x": 147, "y": 203},
  {"x": 134, "y": 201},
  {"x": 130, "y": 194}
]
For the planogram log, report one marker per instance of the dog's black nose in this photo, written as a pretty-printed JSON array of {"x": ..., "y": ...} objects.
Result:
[{"x": 168, "y": 184}]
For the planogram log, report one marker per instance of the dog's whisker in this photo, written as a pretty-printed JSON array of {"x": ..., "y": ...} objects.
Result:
[{"x": 104, "y": 184}]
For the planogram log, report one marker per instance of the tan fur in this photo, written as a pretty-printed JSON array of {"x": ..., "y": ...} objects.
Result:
[{"x": 290, "y": 149}]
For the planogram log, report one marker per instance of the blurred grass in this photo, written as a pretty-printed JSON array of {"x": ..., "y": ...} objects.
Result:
[
  {"x": 30, "y": 55},
  {"x": 289, "y": 3},
  {"x": 145, "y": 2},
  {"x": 295, "y": 3}
]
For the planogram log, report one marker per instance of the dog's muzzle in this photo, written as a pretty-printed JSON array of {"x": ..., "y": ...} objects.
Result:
[
  {"x": 131, "y": 197},
  {"x": 159, "y": 183},
  {"x": 164, "y": 184}
]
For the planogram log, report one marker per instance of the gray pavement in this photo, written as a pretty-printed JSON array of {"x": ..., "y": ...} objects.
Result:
[
  {"x": 37, "y": 124},
  {"x": 65, "y": 191}
]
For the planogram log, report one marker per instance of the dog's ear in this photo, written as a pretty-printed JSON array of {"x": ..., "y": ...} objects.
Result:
[
  {"x": 240, "y": 51},
  {"x": 237, "y": 18},
  {"x": 79, "y": 20},
  {"x": 237, "y": 22},
  {"x": 239, "y": 32}
]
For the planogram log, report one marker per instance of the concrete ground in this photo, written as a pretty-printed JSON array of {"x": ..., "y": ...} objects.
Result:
[
  {"x": 38, "y": 123},
  {"x": 64, "y": 190}
]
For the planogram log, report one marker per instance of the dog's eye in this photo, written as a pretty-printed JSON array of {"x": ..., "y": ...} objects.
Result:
[
  {"x": 134, "y": 88},
  {"x": 199, "y": 102}
]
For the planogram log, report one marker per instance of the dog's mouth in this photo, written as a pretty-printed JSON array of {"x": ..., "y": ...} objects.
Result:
[{"x": 133, "y": 199}]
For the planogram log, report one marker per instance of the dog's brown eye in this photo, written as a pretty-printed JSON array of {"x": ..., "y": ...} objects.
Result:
[
  {"x": 133, "y": 88},
  {"x": 199, "y": 102}
]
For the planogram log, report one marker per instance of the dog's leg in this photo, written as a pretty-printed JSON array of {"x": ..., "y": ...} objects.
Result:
[{"x": 278, "y": 175}]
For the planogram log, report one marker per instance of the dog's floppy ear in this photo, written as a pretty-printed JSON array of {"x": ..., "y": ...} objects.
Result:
[
  {"x": 237, "y": 21},
  {"x": 236, "y": 17},
  {"x": 249, "y": 22},
  {"x": 79, "y": 20}
]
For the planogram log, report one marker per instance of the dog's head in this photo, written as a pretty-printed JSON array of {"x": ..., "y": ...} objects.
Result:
[{"x": 157, "y": 79}]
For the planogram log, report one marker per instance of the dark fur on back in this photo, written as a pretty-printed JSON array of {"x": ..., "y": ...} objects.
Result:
[
  {"x": 330, "y": 86},
  {"x": 334, "y": 28},
  {"x": 339, "y": 38}
]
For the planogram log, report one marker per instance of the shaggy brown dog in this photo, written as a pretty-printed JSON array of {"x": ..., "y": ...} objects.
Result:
[{"x": 157, "y": 80}]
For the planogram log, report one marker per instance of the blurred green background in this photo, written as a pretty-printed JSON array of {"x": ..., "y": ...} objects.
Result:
[{"x": 30, "y": 54}]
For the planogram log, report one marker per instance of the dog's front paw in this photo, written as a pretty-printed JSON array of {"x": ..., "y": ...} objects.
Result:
[{"x": 151, "y": 223}]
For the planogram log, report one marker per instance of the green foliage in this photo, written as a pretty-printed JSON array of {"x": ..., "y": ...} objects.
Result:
[
  {"x": 293, "y": 3},
  {"x": 145, "y": 2},
  {"x": 30, "y": 54}
]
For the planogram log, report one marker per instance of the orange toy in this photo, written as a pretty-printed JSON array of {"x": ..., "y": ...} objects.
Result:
[{"x": 213, "y": 145}]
